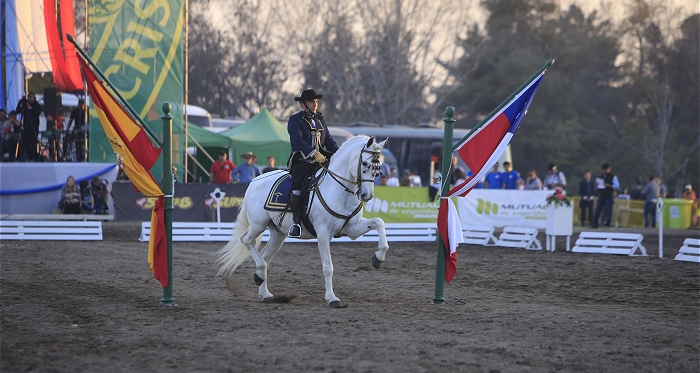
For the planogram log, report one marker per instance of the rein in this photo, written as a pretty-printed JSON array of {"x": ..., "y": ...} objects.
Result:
[{"x": 374, "y": 166}]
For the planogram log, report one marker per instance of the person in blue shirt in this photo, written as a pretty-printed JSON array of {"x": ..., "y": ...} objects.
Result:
[
  {"x": 480, "y": 184},
  {"x": 246, "y": 172},
  {"x": 510, "y": 176},
  {"x": 494, "y": 179}
]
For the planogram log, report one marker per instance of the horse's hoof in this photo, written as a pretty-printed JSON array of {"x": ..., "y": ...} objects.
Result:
[
  {"x": 258, "y": 281},
  {"x": 376, "y": 263},
  {"x": 336, "y": 304}
]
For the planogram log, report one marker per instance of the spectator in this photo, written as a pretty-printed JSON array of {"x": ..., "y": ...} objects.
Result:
[
  {"x": 606, "y": 184},
  {"x": 554, "y": 179},
  {"x": 246, "y": 172},
  {"x": 624, "y": 194},
  {"x": 480, "y": 184},
  {"x": 586, "y": 189},
  {"x": 174, "y": 173},
  {"x": 393, "y": 181},
  {"x": 453, "y": 169},
  {"x": 652, "y": 192},
  {"x": 121, "y": 176},
  {"x": 459, "y": 176},
  {"x": 494, "y": 179},
  {"x": 221, "y": 169},
  {"x": 689, "y": 193},
  {"x": 270, "y": 165},
  {"x": 521, "y": 184},
  {"x": 533, "y": 182},
  {"x": 382, "y": 180},
  {"x": 100, "y": 195},
  {"x": 30, "y": 110},
  {"x": 70, "y": 197},
  {"x": 11, "y": 127},
  {"x": 406, "y": 179},
  {"x": 510, "y": 176},
  {"x": 434, "y": 188},
  {"x": 87, "y": 203}
]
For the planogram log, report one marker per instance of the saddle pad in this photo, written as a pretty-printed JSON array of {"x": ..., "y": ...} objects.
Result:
[{"x": 278, "y": 199}]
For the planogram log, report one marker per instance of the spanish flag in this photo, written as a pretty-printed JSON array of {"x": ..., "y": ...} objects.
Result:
[{"x": 136, "y": 155}]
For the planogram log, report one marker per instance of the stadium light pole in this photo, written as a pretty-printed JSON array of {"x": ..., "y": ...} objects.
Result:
[{"x": 168, "y": 191}]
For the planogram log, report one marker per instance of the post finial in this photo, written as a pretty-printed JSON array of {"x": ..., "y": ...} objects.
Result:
[
  {"x": 449, "y": 111},
  {"x": 166, "y": 108}
]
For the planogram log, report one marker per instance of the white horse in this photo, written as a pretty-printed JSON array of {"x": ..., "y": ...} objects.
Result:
[{"x": 335, "y": 209}]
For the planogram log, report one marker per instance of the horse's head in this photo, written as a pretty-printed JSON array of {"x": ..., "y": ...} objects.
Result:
[{"x": 369, "y": 167}]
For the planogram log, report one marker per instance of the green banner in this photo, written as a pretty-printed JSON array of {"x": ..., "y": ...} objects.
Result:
[
  {"x": 401, "y": 205},
  {"x": 138, "y": 45}
]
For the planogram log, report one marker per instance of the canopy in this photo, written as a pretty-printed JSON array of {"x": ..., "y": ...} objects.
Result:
[
  {"x": 207, "y": 139},
  {"x": 263, "y": 135}
]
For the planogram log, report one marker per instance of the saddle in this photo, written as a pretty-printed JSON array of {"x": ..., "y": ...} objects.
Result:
[{"x": 279, "y": 198}]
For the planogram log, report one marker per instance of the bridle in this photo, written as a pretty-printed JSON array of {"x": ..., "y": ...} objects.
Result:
[{"x": 374, "y": 165}]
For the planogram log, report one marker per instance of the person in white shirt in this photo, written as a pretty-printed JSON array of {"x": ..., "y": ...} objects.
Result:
[{"x": 393, "y": 181}]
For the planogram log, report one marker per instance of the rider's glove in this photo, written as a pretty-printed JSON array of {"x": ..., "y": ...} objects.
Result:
[{"x": 319, "y": 158}]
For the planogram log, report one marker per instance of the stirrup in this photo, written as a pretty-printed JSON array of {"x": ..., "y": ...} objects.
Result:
[{"x": 294, "y": 231}]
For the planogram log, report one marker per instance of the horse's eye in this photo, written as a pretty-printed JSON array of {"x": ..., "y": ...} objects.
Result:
[{"x": 364, "y": 164}]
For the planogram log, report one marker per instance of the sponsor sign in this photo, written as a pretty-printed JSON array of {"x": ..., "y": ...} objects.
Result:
[
  {"x": 191, "y": 202},
  {"x": 500, "y": 208},
  {"x": 401, "y": 205}
]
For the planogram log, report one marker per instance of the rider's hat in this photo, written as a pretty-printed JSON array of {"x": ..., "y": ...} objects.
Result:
[
  {"x": 308, "y": 95},
  {"x": 249, "y": 155}
]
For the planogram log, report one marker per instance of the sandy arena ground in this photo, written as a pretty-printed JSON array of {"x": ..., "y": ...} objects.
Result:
[{"x": 94, "y": 307}]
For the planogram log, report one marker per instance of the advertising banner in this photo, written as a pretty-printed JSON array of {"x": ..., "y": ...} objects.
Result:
[
  {"x": 500, "y": 208},
  {"x": 192, "y": 202},
  {"x": 138, "y": 46},
  {"x": 401, "y": 205}
]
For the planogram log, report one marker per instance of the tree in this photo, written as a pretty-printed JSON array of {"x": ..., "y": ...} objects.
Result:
[{"x": 378, "y": 61}]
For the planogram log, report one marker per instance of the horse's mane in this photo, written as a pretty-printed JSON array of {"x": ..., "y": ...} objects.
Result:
[{"x": 351, "y": 145}]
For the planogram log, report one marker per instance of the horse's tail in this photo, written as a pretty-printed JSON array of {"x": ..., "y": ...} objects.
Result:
[{"x": 235, "y": 252}]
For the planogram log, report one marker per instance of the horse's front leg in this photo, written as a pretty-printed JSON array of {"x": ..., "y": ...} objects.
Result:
[
  {"x": 260, "y": 275},
  {"x": 366, "y": 225},
  {"x": 324, "y": 248}
]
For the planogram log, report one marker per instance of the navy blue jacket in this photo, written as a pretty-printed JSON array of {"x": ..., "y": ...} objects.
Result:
[{"x": 300, "y": 134}]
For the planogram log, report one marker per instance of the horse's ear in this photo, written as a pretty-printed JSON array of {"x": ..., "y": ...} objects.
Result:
[
  {"x": 382, "y": 144},
  {"x": 370, "y": 142}
]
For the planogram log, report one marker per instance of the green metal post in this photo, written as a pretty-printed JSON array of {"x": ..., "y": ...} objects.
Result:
[
  {"x": 439, "y": 297},
  {"x": 168, "y": 191}
]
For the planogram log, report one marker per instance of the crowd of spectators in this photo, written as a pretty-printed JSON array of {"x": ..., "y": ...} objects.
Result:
[{"x": 84, "y": 197}]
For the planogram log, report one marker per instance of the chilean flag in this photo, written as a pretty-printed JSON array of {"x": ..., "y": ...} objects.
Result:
[
  {"x": 480, "y": 151},
  {"x": 482, "y": 148}
]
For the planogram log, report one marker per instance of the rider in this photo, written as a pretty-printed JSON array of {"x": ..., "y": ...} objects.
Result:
[{"x": 309, "y": 136}]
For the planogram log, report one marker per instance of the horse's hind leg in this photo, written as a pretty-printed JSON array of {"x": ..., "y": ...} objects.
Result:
[
  {"x": 267, "y": 252},
  {"x": 366, "y": 225}
]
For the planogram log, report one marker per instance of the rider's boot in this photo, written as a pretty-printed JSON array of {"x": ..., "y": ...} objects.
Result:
[{"x": 295, "y": 229}]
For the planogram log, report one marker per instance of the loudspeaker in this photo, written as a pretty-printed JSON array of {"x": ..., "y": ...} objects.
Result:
[{"x": 52, "y": 101}]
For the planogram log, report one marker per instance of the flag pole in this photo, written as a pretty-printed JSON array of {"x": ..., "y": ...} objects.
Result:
[
  {"x": 128, "y": 107},
  {"x": 439, "y": 297},
  {"x": 504, "y": 103},
  {"x": 168, "y": 191}
]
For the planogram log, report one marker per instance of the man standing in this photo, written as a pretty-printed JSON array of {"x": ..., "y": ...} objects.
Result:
[
  {"x": 494, "y": 179},
  {"x": 510, "y": 176},
  {"x": 586, "y": 189},
  {"x": 554, "y": 179},
  {"x": 606, "y": 184},
  {"x": 221, "y": 169},
  {"x": 270, "y": 165},
  {"x": 311, "y": 143},
  {"x": 30, "y": 110},
  {"x": 77, "y": 116},
  {"x": 651, "y": 191},
  {"x": 245, "y": 173}
]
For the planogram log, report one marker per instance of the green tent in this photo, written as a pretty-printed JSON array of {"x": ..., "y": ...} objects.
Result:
[
  {"x": 263, "y": 135},
  {"x": 212, "y": 144}
]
